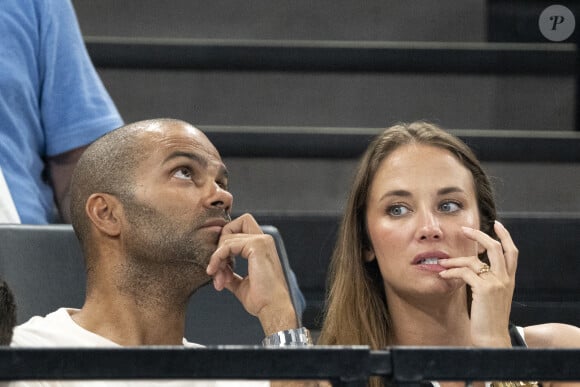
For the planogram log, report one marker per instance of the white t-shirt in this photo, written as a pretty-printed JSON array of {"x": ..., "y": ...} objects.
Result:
[
  {"x": 58, "y": 329},
  {"x": 8, "y": 212}
]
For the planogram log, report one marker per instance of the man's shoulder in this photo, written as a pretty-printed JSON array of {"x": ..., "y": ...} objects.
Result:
[
  {"x": 189, "y": 344},
  {"x": 54, "y": 329}
]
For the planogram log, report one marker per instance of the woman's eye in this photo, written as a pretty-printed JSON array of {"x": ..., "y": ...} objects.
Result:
[
  {"x": 183, "y": 173},
  {"x": 450, "y": 207},
  {"x": 397, "y": 210}
]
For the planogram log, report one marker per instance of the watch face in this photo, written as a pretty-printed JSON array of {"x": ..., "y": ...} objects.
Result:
[{"x": 289, "y": 338}]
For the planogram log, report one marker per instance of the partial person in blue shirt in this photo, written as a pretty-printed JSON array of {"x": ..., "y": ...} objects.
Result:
[{"x": 52, "y": 105}]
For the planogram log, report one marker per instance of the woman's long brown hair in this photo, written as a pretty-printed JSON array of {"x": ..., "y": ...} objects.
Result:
[{"x": 356, "y": 310}]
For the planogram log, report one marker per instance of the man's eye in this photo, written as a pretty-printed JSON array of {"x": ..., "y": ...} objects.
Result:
[
  {"x": 450, "y": 207},
  {"x": 397, "y": 210},
  {"x": 183, "y": 173}
]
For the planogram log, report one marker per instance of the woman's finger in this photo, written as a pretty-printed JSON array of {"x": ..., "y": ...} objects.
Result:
[
  {"x": 494, "y": 249},
  {"x": 473, "y": 263},
  {"x": 510, "y": 251}
]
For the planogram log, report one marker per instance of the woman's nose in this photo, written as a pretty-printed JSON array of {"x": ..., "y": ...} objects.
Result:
[{"x": 429, "y": 228}]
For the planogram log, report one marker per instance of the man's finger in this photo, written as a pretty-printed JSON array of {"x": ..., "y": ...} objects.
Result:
[{"x": 244, "y": 224}]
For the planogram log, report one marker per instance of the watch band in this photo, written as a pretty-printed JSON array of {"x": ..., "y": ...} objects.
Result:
[{"x": 299, "y": 337}]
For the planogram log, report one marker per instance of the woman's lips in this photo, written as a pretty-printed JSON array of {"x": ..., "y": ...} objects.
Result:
[
  {"x": 430, "y": 260},
  {"x": 430, "y": 264}
]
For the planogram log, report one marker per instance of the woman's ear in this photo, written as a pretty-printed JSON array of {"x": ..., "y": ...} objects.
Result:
[
  {"x": 103, "y": 210},
  {"x": 367, "y": 247},
  {"x": 369, "y": 255}
]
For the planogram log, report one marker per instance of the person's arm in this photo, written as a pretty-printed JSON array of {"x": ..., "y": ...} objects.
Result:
[
  {"x": 60, "y": 170},
  {"x": 75, "y": 107},
  {"x": 263, "y": 292},
  {"x": 553, "y": 335}
]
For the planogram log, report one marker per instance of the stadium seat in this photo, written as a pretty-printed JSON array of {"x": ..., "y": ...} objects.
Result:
[{"x": 44, "y": 267}]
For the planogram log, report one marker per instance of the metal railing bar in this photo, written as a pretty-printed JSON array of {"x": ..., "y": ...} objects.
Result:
[
  {"x": 343, "y": 143},
  {"x": 334, "y": 56},
  {"x": 334, "y": 363},
  {"x": 423, "y": 364},
  {"x": 347, "y": 365}
]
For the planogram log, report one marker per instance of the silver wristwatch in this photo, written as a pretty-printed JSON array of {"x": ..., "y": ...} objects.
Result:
[{"x": 299, "y": 337}]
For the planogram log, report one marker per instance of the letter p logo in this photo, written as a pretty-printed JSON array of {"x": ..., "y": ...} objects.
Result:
[
  {"x": 557, "y": 20},
  {"x": 556, "y": 23}
]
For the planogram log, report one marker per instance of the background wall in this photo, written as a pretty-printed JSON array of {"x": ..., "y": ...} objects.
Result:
[{"x": 335, "y": 100}]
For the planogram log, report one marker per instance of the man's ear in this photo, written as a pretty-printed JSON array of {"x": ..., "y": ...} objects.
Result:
[{"x": 104, "y": 211}]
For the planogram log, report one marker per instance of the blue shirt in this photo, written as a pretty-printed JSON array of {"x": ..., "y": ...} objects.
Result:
[{"x": 51, "y": 98}]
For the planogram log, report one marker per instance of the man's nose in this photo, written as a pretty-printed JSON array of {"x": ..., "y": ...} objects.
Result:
[{"x": 220, "y": 198}]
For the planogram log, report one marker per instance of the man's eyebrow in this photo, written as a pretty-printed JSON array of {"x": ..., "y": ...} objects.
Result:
[
  {"x": 192, "y": 156},
  {"x": 223, "y": 171}
]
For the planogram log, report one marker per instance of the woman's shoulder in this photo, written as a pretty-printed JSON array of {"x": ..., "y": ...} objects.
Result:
[{"x": 552, "y": 335}]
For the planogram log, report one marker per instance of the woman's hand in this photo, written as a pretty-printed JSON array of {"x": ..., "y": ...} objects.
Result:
[{"x": 492, "y": 286}]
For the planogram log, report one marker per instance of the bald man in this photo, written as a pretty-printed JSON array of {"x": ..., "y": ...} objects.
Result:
[{"x": 151, "y": 208}]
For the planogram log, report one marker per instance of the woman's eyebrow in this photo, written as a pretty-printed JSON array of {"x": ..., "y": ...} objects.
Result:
[
  {"x": 405, "y": 193},
  {"x": 448, "y": 190},
  {"x": 396, "y": 192}
]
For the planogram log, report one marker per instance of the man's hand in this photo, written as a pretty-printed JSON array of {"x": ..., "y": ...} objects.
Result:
[{"x": 263, "y": 292}]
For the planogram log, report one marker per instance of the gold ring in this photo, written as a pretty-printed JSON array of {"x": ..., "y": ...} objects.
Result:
[{"x": 484, "y": 268}]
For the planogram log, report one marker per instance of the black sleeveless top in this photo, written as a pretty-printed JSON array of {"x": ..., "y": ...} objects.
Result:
[{"x": 517, "y": 341}]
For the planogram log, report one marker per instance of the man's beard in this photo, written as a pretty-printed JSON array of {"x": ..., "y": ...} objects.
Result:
[{"x": 180, "y": 251}]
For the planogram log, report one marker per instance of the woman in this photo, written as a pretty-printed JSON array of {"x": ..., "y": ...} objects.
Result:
[{"x": 420, "y": 258}]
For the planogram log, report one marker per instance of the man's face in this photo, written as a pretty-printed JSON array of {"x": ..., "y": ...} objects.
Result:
[{"x": 180, "y": 202}]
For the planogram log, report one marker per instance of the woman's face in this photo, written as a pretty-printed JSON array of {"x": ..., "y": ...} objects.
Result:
[{"x": 419, "y": 199}]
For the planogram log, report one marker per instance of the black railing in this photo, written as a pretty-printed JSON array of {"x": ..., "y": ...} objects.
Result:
[{"x": 351, "y": 366}]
